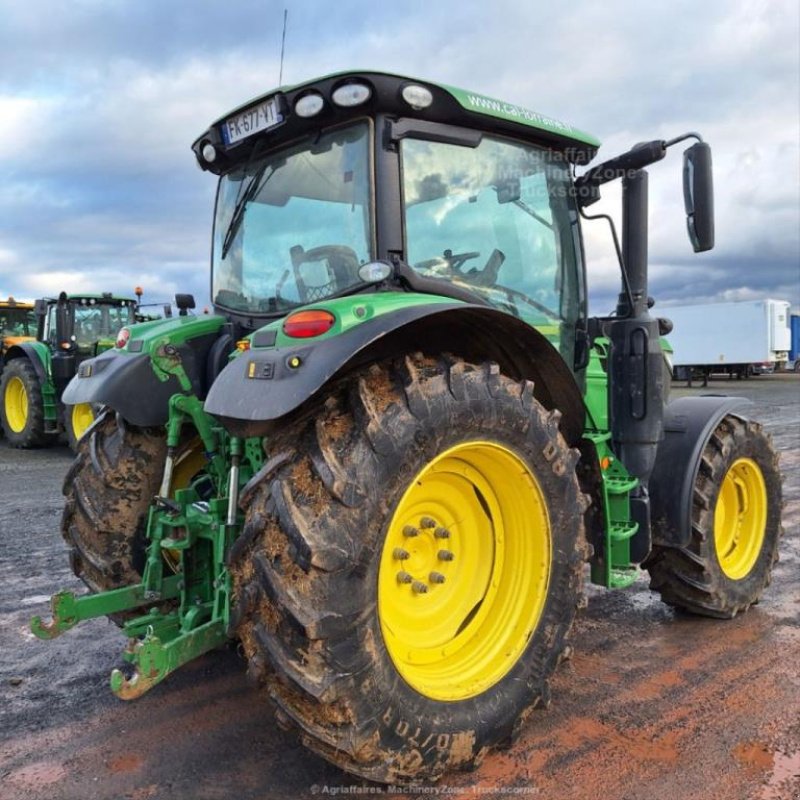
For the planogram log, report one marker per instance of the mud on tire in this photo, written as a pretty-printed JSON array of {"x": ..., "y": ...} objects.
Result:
[
  {"x": 108, "y": 491},
  {"x": 692, "y": 578},
  {"x": 306, "y": 565}
]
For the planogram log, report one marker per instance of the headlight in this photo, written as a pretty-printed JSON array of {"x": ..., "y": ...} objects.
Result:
[
  {"x": 374, "y": 271},
  {"x": 309, "y": 105},
  {"x": 351, "y": 94},
  {"x": 418, "y": 97}
]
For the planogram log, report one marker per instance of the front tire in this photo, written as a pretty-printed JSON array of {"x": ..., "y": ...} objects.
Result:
[
  {"x": 410, "y": 567},
  {"x": 22, "y": 405},
  {"x": 736, "y": 527},
  {"x": 77, "y": 420}
]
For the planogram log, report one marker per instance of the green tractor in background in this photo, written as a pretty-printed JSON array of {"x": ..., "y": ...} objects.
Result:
[
  {"x": 69, "y": 330},
  {"x": 383, "y": 463}
]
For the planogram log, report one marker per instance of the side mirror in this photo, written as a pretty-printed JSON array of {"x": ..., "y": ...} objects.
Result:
[{"x": 698, "y": 196}]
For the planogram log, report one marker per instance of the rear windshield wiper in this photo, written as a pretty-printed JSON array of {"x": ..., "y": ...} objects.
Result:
[{"x": 256, "y": 185}]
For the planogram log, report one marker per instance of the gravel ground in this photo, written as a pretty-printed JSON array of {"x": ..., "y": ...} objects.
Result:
[{"x": 652, "y": 705}]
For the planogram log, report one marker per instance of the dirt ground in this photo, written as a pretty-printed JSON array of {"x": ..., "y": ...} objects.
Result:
[{"x": 652, "y": 706}]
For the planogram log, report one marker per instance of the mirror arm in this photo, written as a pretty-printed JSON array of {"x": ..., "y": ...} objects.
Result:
[{"x": 683, "y": 138}]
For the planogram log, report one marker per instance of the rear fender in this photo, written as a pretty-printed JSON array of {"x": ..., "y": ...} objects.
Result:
[
  {"x": 125, "y": 381},
  {"x": 37, "y": 353},
  {"x": 261, "y": 386},
  {"x": 688, "y": 425}
]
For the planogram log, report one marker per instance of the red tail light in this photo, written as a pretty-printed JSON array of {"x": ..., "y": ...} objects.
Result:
[
  {"x": 304, "y": 324},
  {"x": 122, "y": 337}
]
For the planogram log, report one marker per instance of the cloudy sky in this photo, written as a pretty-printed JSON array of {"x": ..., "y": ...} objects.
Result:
[{"x": 100, "y": 100}]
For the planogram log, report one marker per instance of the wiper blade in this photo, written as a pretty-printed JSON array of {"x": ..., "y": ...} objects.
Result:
[{"x": 257, "y": 183}]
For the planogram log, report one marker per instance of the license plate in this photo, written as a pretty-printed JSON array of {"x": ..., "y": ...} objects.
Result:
[{"x": 258, "y": 118}]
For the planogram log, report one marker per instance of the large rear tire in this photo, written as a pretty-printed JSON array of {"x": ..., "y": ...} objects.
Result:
[
  {"x": 410, "y": 567},
  {"x": 21, "y": 405},
  {"x": 109, "y": 488},
  {"x": 736, "y": 527},
  {"x": 108, "y": 491}
]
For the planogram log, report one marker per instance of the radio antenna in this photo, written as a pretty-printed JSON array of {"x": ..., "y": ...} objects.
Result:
[{"x": 283, "y": 45}]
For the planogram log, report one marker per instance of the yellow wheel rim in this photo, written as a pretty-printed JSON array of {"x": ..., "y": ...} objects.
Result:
[
  {"x": 81, "y": 418},
  {"x": 464, "y": 571},
  {"x": 16, "y": 404},
  {"x": 740, "y": 518},
  {"x": 190, "y": 461}
]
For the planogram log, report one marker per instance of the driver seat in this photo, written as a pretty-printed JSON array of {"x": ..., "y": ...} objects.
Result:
[{"x": 336, "y": 267}]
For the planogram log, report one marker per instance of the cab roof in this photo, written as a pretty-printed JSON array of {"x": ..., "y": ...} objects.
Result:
[{"x": 450, "y": 105}]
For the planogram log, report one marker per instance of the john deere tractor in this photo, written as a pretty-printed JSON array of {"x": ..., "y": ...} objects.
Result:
[
  {"x": 69, "y": 330},
  {"x": 383, "y": 463}
]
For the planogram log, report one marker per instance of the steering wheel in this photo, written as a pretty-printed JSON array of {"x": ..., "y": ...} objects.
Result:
[
  {"x": 451, "y": 260},
  {"x": 488, "y": 275}
]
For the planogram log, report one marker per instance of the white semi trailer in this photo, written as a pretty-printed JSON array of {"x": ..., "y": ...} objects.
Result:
[{"x": 738, "y": 339}]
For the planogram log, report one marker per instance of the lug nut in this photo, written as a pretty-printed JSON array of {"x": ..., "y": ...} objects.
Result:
[
  {"x": 427, "y": 522},
  {"x": 436, "y": 577},
  {"x": 400, "y": 554},
  {"x": 404, "y": 577},
  {"x": 442, "y": 533},
  {"x": 419, "y": 587},
  {"x": 410, "y": 531},
  {"x": 445, "y": 555}
]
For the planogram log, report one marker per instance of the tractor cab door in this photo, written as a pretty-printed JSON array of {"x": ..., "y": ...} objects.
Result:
[{"x": 59, "y": 324}]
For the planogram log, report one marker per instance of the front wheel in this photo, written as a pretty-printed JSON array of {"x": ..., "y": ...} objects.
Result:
[
  {"x": 77, "y": 420},
  {"x": 736, "y": 526},
  {"x": 21, "y": 405},
  {"x": 409, "y": 571}
]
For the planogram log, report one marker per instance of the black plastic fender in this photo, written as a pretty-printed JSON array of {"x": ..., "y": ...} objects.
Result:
[
  {"x": 688, "y": 425},
  {"x": 262, "y": 386},
  {"x": 126, "y": 382}
]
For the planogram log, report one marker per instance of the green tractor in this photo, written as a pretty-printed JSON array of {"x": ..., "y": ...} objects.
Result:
[
  {"x": 70, "y": 329},
  {"x": 383, "y": 463}
]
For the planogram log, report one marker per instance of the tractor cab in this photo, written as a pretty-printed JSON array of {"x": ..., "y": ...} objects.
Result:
[
  {"x": 455, "y": 196},
  {"x": 17, "y": 324},
  {"x": 77, "y": 327}
]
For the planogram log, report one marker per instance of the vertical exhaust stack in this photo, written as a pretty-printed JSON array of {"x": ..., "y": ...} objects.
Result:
[
  {"x": 636, "y": 383},
  {"x": 636, "y": 374}
]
